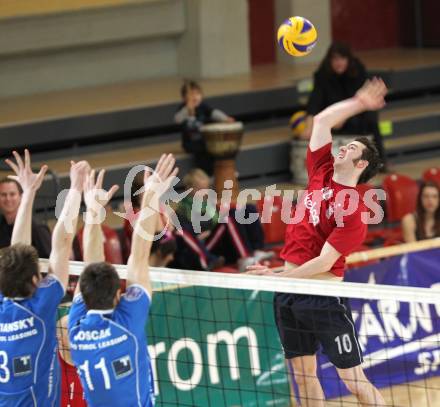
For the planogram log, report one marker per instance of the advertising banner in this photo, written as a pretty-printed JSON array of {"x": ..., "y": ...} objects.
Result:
[
  {"x": 400, "y": 342},
  {"x": 216, "y": 347}
]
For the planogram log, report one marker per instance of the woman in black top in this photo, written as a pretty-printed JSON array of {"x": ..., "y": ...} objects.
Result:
[
  {"x": 339, "y": 77},
  {"x": 424, "y": 223}
]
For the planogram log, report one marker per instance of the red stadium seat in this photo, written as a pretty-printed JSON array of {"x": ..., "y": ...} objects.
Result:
[
  {"x": 275, "y": 230},
  {"x": 401, "y": 196},
  {"x": 112, "y": 245},
  {"x": 375, "y": 234},
  {"x": 432, "y": 174}
]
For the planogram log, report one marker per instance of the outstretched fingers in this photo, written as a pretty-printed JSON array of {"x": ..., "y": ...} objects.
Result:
[
  {"x": 27, "y": 160},
  {"x": 100, "y": 179},
  {"x": 19, "y": 161},
  {"x": 12, "y": 165},
  {"x": 89, "y": 181},
  {"x": 41, "y": 174},
  {"x": 379, "y": 88},
  {"x": 167, "y": 165},
  {"x": 147, "y": 174},
  {"x": 112, "y": 191}
]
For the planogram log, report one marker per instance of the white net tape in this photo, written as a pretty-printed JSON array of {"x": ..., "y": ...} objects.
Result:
[{"x": 277, "y": 284}]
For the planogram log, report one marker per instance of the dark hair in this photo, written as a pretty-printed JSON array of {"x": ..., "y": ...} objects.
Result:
[
  {"x": 370, "y": 154},
  {"x": 165, "y": 245},
  {"x": 99, "y": 283},
  {"x": 188, "y": 179},
  {"x": 136, "y": 199},
  {"x": 420, "y": 210},
  {"x": 18, "y": 266},
  {"x": 11, "y": 181},
  {"x": 187, "y": 86},
  {"x": 339, "y": 48}
]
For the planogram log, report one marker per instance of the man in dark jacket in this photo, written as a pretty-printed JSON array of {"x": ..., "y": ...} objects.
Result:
[{"x": 10, "y": 198}]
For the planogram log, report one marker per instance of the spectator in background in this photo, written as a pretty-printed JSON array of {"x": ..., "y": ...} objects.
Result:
[
  {"x": 217, "y": 241},
  {"x": 10, "y": 198},
  {"x": 193, "y": 113},
  {"x": 162, "y": 250},
  {"x": 424, "y": 223},
  {"x": 339, "y": 77}
]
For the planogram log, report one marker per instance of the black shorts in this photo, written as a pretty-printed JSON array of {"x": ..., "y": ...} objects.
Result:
[{"x": 306, "y": 321}]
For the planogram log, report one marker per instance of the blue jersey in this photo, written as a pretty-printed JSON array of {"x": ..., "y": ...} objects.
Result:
[
  {"x": 109, "y": 349},
  {"x": 29, "y": 367}
]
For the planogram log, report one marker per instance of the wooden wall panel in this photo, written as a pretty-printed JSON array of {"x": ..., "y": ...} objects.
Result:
[
  {"x": 23, "y": 8},
  {"x": 366, "y": 24},
  {"x": 262, "y": 31}
]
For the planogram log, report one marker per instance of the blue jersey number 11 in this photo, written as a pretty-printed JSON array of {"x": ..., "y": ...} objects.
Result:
[{"x": 99, "y": 366}]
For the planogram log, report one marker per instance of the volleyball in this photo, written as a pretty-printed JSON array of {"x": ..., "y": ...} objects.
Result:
[
  {"x": 297, "y": 36},
  {"x": 297, "y": 123}
]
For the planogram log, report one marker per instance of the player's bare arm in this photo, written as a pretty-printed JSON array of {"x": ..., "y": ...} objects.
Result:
[
  {"x": 96, "y": 199},
  {"x": 321, "y": 264},
  {"x": 65, "y": 228},
  {"x": 30, "y": 183},
  {"x": 370, "y": 97},
  {"x": 154, "y": 186}
]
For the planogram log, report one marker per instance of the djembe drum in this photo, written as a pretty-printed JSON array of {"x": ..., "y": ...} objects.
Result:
[{"x": 223, "y": 142}]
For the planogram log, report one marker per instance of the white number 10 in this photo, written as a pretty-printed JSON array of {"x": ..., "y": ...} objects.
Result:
[
  {"x": 344, "y": 343},
  {"x": 101, "y": 366}
]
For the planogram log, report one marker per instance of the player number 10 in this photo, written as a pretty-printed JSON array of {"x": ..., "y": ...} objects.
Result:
[
  {"x": 344, "y": 343},
  {"x": 101, "y": 366}
]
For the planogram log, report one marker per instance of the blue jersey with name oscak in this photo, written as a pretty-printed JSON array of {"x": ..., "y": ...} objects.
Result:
[
  {"x": 109, "y": 350},
  {"x": 29, "y": 367}
]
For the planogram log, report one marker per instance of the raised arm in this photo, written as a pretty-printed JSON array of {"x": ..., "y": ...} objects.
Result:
[
  {"x": 30, "y": 183},
  {"x": 369, "y": 97},
  {"x": 96, "y": 200},
  {"x": 65, "y": 228},
  {"x": 154, "y": 186}
]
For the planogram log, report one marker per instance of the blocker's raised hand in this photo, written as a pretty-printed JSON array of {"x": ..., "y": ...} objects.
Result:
[
  {"x": 94, "y": 195},
  {"x": 28, "y": 180},
  {"x": 160, "y": 180},
  {"x": 78, "y": 174}
]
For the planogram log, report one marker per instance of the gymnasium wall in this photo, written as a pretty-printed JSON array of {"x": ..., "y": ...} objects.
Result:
[
  {"x": 77, "y": 43},
  {"x": 26, "y": 8},
  {"x": 89, "y": 47},
  {"x": 262, "y": 31},
  {"x": 431, "y": 26},
  {"x": 366, "y": 24},
  {"x": 372, "y": 24}
]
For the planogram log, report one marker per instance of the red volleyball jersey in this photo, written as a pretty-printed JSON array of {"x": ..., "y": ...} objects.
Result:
[
  {"x": 326, "y": 211},
  {"x": 72, "y": 394}
]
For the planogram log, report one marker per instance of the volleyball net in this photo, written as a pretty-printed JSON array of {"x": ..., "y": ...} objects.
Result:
[{"x": 213, "y": 340}]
